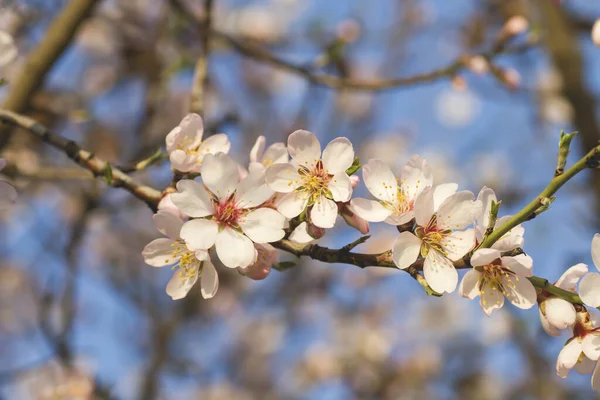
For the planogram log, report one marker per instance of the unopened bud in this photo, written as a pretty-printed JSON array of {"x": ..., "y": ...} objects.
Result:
[
  {"x": 479, "y": 65},
  {"x": 459, "y": 83},
  {"x": 354, "y": 181},
  {"x": 352, "y": 219},
  {"x": 596, "y": 32},
  {"x": 266, "y": 256},
  {"x": 166, "y": 204},
  {"x": 511, "y": 78},
  {"x": 515, "y": 26}
]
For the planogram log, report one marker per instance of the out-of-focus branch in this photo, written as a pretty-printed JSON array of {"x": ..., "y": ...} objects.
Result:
[
  {"x": 258, "y": 53},
  {"x": 200, "y": 81},
  {"x": 39, "y": 62},
  {"x": 84, "y": 158}
]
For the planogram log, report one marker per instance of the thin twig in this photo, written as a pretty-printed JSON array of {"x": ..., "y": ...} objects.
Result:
[{"x": 200, "y": 81}]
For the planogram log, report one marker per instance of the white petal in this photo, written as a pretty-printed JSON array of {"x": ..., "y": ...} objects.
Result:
[
  {"x": 567, "y": 358},
  {"x": 181, "y": 161},
  {"x": 458, "y": 211},
  {"x": 8, "y": 49},
  {"x": 439, "y": 272},
  {"x": 511, "y": 239},
  {"x": 276, "y": 153},
  {"x": 301, "y": 235},
  {"x": 283, "y": 178},
  {"x": 400, "y": 219},
  {"x": 442, "y": 192},
  {"x": 263, "y": 225},
  {"x": 591, "y": 346},
  {"x": 304, "y": 147},
  {"x": 192, "y": 199},
  {"x": 406, "y": 249},
  {"x": 483, "y": 257},
  {"x": 521, "y": 264},
  {"x": 178, "y": 288},
  {"x": 199, "y": 234},
  {"x": 560, "y": 313},
  {"x": 252, "y": 191},
  {"x": 486, "y": 196},
  {"x": 168, "y": 224},
  {"x": 380, "y": 180},
  {"x": 292, "y": 204},
  {"x": 490, "y": 299},
  {"x": 549, "y": 328},
  {"x": 585, "y": 366},
  {"x": 338, "y": 156},
  {"x": 589, "y": 289},
  {"x": 258, "y": 149},
  {"x": 458, "y": 243},
  {"x": 340, "y": 187},
  {"x": 209, "y": 280},
  {"x": 159, "y": 252},
  {"x": 469, "y": 286},
  {"x": 234, "y": 249},
  {"x": 424, "y": 206},
  {"x": 596, "y": 250},
  {"x": 596, "y": 378},
  {"x": 324, "y": 213},
  {"x": 8, "y": 195},
  {"x": 187, "y": 135},
  {"x": 214, "y": 144},
  {"x": 370, "y": 210},
  {"x": 220, "y": 174},
  {"x": 416, "y": 175},
  {"x": 568, "y": 280},
  {"x": 521, "y": 292}
]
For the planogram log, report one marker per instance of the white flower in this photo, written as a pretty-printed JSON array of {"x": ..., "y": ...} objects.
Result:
[
  {"x": 312, "y": 180},
  {"x": 8, "y": 194},
  {"x": 439, "y": 236},
  {"x": 173, "y": 251},
  {"x": 494, "y": 277},
  {"x": 589, "y": 287},
  {"x": 226, "y": 211},
  {"x": 186, "y": 148},
  {"x": 396, "y": 199},
  {"x": 166, "y": 204},
  {"x": 556, "y": 313},
  {"x": 306, "y": 233},
  {"x": 595, "y": 34},
  {"x": 261, "y": 159},
  {"x": 511, "y": 239},
  {"x": 8, "y": 49},
  {"x": 266, "y": 256}
]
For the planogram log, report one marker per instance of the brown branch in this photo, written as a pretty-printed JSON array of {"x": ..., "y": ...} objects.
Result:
[
  {"x": 200, "y": 81},
  {"x": 84, "y": 158},
  {"x": 39, "y": 62}
]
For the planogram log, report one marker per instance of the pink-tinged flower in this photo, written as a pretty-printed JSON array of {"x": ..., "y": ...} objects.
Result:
[
  {"x": 8, "y": 49},
  {"x": 589, "y": 287},
  {"x": 261, "y": 159},
  {"x": 8, "y": 194},
  {"x": 439, "y": 237},
  {"x": 190, "y": 264},
  {"x": 494, "y": 277},
  {"x": 186, "y": 148},
  {"x": 395, "y": 197},
  {"x": 313, "y": 180},
  {"x": 266, "y": 256},
  {"x": 511, "y": 239},
  {"x": 352, "y": 219},
  {"x": 226, "y": 211},
  {"x": 306, "y": 233},
  {"x": 166, "y": 204},
  {"x": 596, "y": 32}
]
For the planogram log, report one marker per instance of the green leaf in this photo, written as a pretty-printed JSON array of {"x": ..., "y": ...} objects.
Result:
[
  {"x": 284, "y": 265},
  {"x": 355, "y": 167},
  {"x": 108, "y": 175}
]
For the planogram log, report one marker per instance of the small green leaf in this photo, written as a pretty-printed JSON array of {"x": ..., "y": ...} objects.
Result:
[
  {"x": 284, "y": 265},
  {"x": 108, "y": 175},
  {"x": 354, "y": 168}
]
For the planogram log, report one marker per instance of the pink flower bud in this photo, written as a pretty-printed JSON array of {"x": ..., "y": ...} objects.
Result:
[
  {"x": 596, "y": 32},
  {"x": 314, "y": 231},
  {"x": 266, "y": 256},
  {"x": 352, "y": 219},
  {"x": 515, "y": 25},
  {"x": 166, "y": 204}
]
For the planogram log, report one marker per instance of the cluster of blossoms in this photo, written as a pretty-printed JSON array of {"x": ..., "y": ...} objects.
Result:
[{"x": 221, "y": 210}]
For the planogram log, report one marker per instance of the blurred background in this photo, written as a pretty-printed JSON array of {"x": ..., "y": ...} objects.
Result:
[{"x": 81, "y": 315}]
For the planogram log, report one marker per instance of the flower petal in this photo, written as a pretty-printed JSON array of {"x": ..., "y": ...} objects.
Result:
[
  {"x": 252, "y": 191},
  {"x": 181, "y": 161},
  {"x": 439, "y": 272},
  {"x": 520, "y": 292},
  {"x": 8, "y": 195},
  {"x": 585, "y": 366},
  {"x": 589, "y": 289},
  {"x": 483, "y": 257},
  {"x": 178, "y": 287},
  {"x": 234, "y": 249},
  {"x": 424, "y": 206},
  {"x": 263, "y": 225},
  {"x": 338, "y": 156},
  {"x": 292, "y": 204},
  {"x": 406, "y": 250},
  {"x": 416, "y": 175},
  {"x": 490, "y": 299},
  {"x": 258, "y": 149},
  {"x": 209, "y": 280},
  {"x": 187, "y": 135},
  {"x": 283, "y": 178},
  {"x": 220, "y": 174},
  {"x": 458, "y": 243},
  {"x": 521, "y": 264},
  {"x": 199, "y": 234},
  {"x": 192, "y": 199},
  {"x": 596, "y": 378},
  {"x": 301, "y": 235},
  {"x": 168, "y": 224},
  {"x": 370, "y": 210},
  {"x": 400, "y": 219},
  {"x": 549, "y": 328},
  {"x": 340, "y": 187},
  {"x": 567, "y": 358},
  {"x": 485, "y": 196},
  {"x": 380, "y": 180},
  {"x": 442, "y": 192},
  {"x": 304, "y": 147},
  {"x": 560, "y": 313},
  {"x": 469, "y": 286},
  {"x": 511, "y": 239},
  {"x": 568, "y": 280},
  {"x": 8, "y": 49},
  {"x": 458, "y": 211},
  {"x": 596, "y": 250},
  {"x": 591, "y": 346},
  {"x": 324, "y": 212},
  {"x": 276, "y": 153},
  {"x": 159, "y": 252},
  {"x": 214, "y": 144}
]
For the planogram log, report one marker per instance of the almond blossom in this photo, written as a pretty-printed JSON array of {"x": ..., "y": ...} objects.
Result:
[
  {"x": 190, "y": 264},
  {"x": 8, "y": 194},
  {"x": 266, "y": 256},
  {"x": 261, "y": 159},
  {"x": 396, "y": 197},
  {"x": 494, "y": 277},
  {"x": 313, "y": 179},
  {"x": 439, "y": 237},
  {"x": 556, "y": 313},
  {"x": 186, "y": 148},
  {"x": 226, "y": 211},
  {"x": 589, "y": 287},
  {"x": 511, "y": 239}
]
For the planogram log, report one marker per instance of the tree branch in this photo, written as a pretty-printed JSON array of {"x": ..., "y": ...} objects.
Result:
[{"x": 200, "y": 81}]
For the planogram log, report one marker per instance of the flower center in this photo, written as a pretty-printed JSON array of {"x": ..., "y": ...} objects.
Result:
[
  {"x": 315, "y": 181},
  {"x": 188, "y": 263},
  {"x": 228, "y": 214},
  {"x": 432, "y": 237},
  {"x": 496, "y": 277},
  {"x": 402, "y": 204}
]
